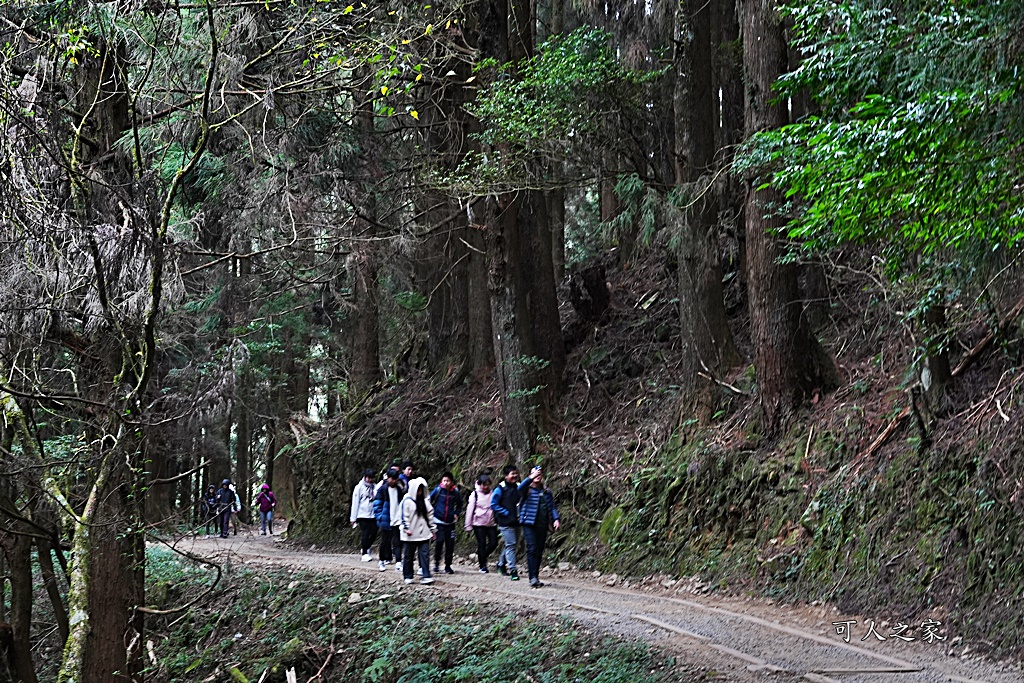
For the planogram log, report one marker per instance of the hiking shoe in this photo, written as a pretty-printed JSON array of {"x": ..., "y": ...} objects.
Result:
[
  {"x": 382, "y": 565},
  {"x": 501, "y": 570},
  {"x": 426, "y": 580},
  {"x": 514, "y": 574},
  {"x": 408, "y": 581},
  {"x": 449, "y": 570}
]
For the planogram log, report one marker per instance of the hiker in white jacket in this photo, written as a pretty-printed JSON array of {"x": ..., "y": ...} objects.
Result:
[
  {"x": 362, "y": 512},
  {"x": 418, "y": 529}
]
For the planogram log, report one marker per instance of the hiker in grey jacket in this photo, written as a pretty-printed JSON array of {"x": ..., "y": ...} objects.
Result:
[{"x": 362, "y": 513}]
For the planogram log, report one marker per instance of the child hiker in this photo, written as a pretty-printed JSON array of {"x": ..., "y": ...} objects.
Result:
[
  {"x": 418, "y": 529},
  {"x": 480, "y": 520}
]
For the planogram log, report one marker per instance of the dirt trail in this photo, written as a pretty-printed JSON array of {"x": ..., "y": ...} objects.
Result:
[{"x": 740, "y": 639}]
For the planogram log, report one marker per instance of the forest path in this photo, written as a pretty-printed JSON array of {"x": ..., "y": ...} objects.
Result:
[{"x": 741, "y": 639}]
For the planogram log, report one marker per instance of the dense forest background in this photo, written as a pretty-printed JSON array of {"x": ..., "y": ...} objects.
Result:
[{"x": 744, "y": 276}]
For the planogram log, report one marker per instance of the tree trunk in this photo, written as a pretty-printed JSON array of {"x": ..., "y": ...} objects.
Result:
[
  {"x": 214, "y": 449},
  {"x": 542, "y": 300},
  {"x": 550, "y": 22},
  {"x": 365, "y": 372},
  {"x": 512, "y": 350},
  {"x": 43, "y": 549},
  {"x": 706, "y": 339},
  {"x": 271, "y": 454},
  {"x": 729, "y": 129},
  {"x": 478, "y": 317},
  {"x": 528, "y": 346},
  {"x": 17, "y": 548},
  {"x": 243, "y": 456},
  {"x": 107, "y": 582},
  {"x": 159, "y": 498},
  {"x": 789, "y": 362},
  {"x": 556, "y": 215},
  {"x": 936, "y": 374}
]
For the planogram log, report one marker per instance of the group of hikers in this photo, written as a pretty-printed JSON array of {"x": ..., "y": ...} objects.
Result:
[
  {"x": 220, "y": 507},
  {"x": 407, "y": 518}
]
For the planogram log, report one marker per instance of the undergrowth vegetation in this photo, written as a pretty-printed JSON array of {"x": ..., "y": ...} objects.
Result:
[{"x": 260, "y": 623}]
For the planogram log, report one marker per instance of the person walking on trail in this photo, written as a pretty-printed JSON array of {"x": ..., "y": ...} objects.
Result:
[
  {"x": 267, "y": 502},
  {"x": 387, "y": 510},
  {"x": 236, "y": 507},
  {"x": 362, "y": 513},
  {"x": 418, "y": 529},
  {"x": 225, "y": 501},
  {"x": 447, "y": 503},
  {"x": 537, "y": 512},
  {"x": 407, "y": 472},
  {"x": 504, "y": 503},
  {"x": 208, "y": 507},
  {"x": 480, "y": 520}
]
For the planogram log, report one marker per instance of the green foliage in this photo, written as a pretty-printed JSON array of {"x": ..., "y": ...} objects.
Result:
[
  {"x": 582, "y": 227},
  {"x": 556, "y": 94},
  {"x": 570, "y": 95},
  {"x": 640, "y": 204},
  {"x": 915, "y": 145},
  {"x": 411, "y": 301}
]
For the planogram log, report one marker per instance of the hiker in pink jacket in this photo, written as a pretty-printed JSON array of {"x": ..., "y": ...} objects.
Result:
[
  {"x": 480, "y": 520},
  {"x": 267, "y": 502}
]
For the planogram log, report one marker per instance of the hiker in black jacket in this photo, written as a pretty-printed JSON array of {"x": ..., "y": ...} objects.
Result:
[
  {"x": 225, "y": 503},
  {"x": 505, "y": 503}
]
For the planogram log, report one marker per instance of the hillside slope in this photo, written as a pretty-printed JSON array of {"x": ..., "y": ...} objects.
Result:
[{"x": 863, "y": 501}]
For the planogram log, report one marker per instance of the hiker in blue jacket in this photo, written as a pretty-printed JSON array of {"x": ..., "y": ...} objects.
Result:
[
  {"x": 537, "y": 512},
  {"x": 388, "y": 515},
  {"x": 447, "y": 503}
]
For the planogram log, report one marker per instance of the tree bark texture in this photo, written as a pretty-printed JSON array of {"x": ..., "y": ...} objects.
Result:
[
  {"x": 730, "y": 126},
  {"x": 706, "y": 339},
  {"x": 365, "y": 333},
  {"x": 243, "y": 455},
  {"x": 160, "y": 497},
  {"x": 528, "y": 345},
  {"x": 789, "y": 362},
  {"x": 517, "y": 382},
  {"x": 17, "y": 549},
  {"x": 444, "y": 255},
  {"x": 107, "y": 583},
  {"x": 44, "y": 548},
  {"x": 478, "y": 320}
]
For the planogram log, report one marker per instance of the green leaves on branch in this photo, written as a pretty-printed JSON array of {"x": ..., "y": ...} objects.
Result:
[
  {"x": 561, "y": 100},
  {"x": 915, "y": 148},
  {"x": 557, "y": 94}
]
